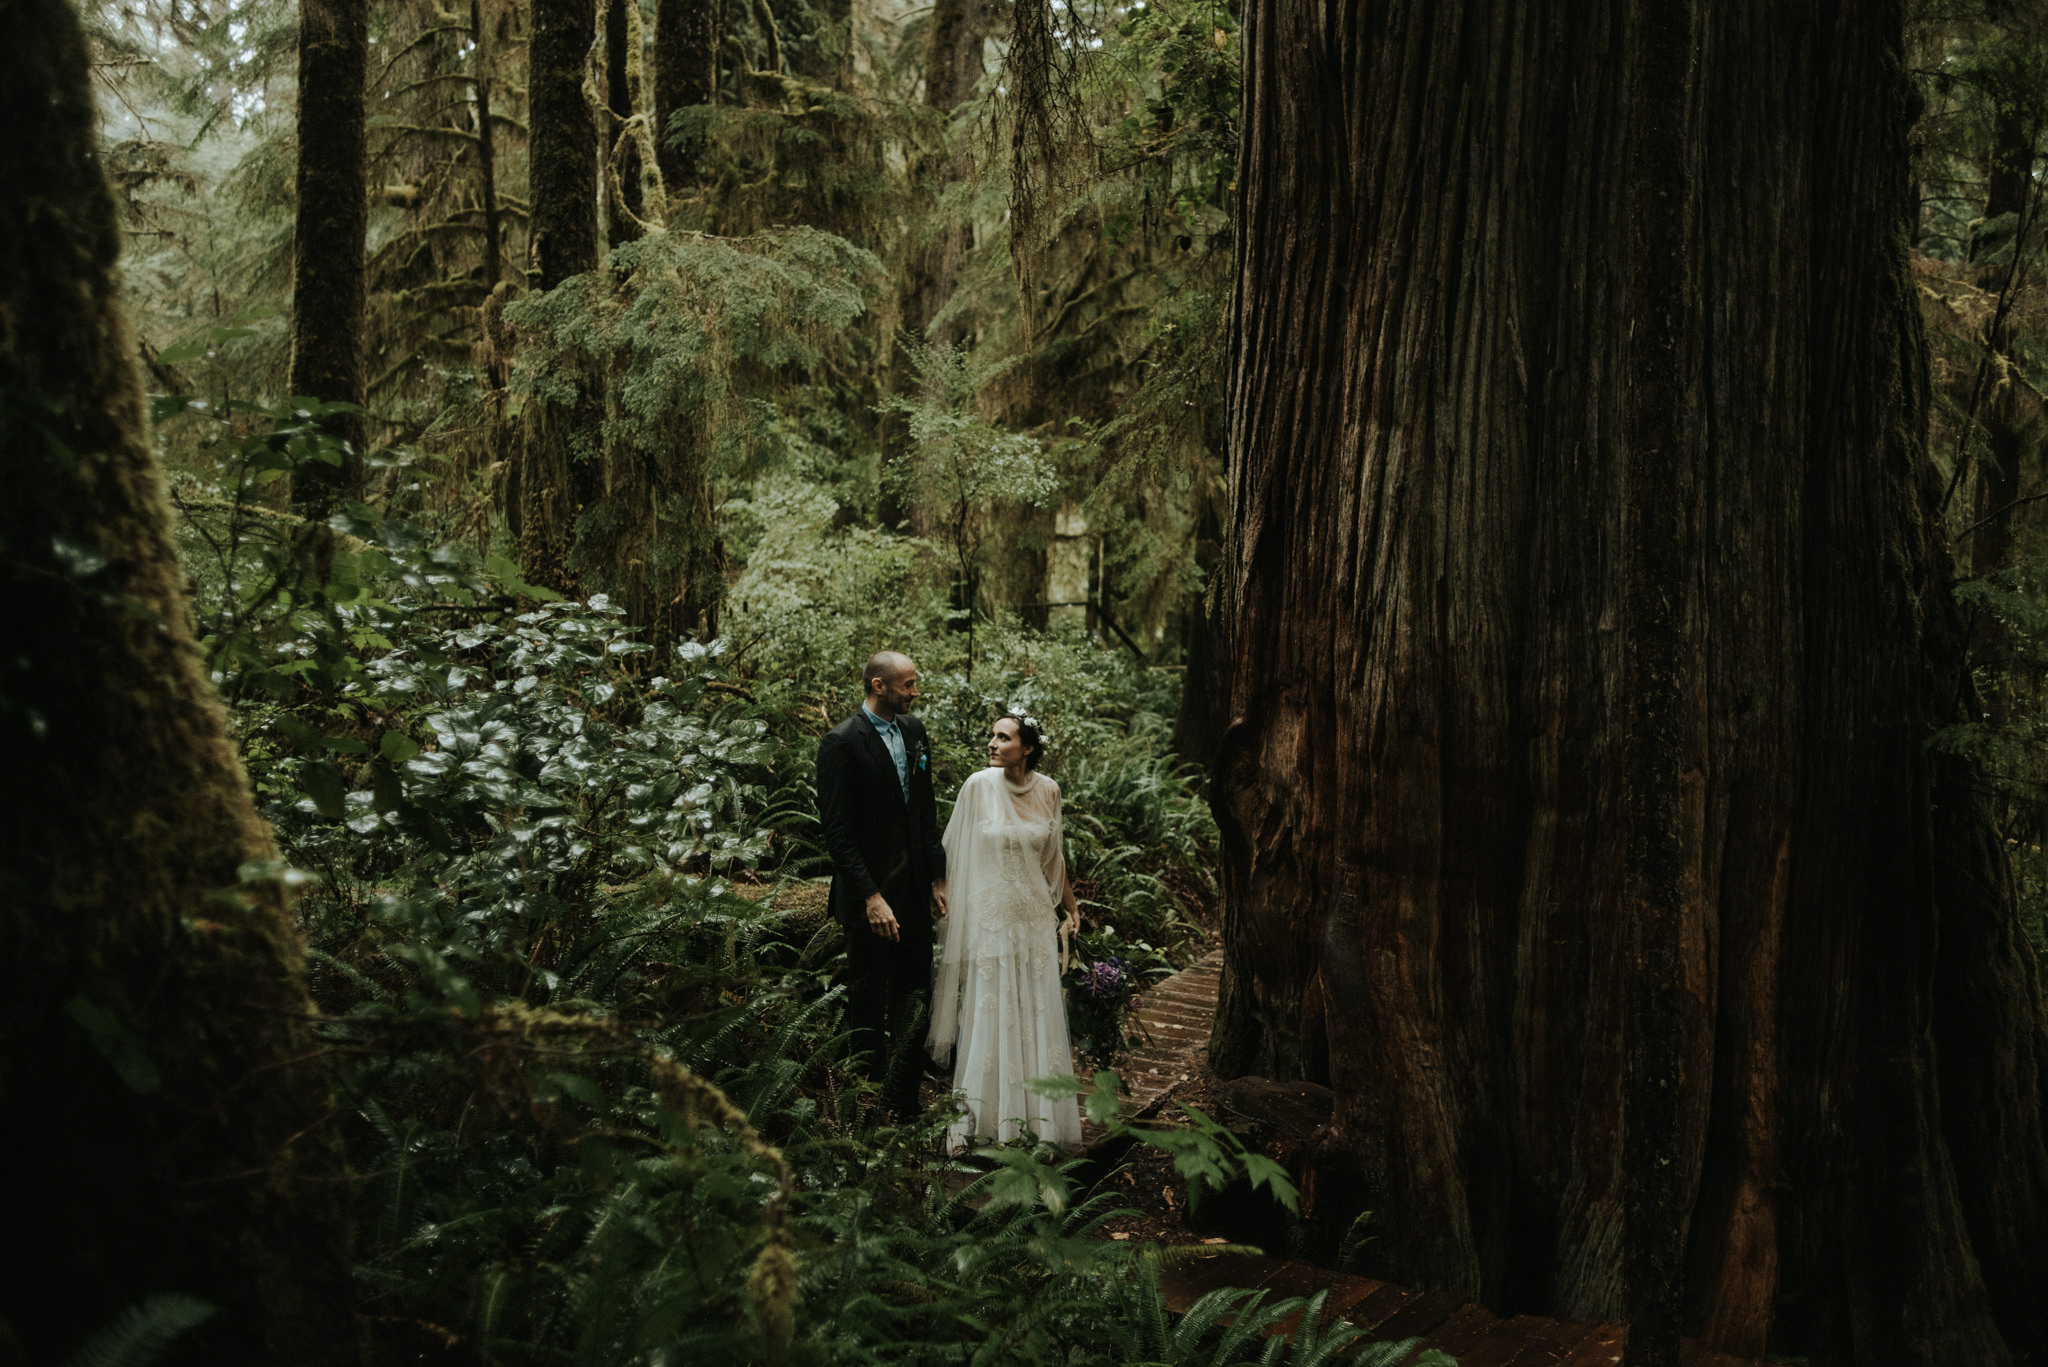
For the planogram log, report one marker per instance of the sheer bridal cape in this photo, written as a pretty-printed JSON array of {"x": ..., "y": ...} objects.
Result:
[{"x": 996, "y": 998}]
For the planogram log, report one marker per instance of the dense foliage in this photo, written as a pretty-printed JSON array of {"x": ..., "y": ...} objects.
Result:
[{"x": 559, "y": 903}]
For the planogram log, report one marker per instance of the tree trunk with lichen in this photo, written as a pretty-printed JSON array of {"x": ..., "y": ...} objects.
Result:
[
  {"x": 1580, "y": 823},
  {"x": 166, "y": 1109},
  {"x": 952, "y": 68},
  {"x": 562, "y": 151},
  {"x": 330, "y": 229},
  {"x": 933, "y": 258},
  {"x": 621, "y": 91},
  {"x": 557, "y": 471},
  {"x": 685, "y": 76}
]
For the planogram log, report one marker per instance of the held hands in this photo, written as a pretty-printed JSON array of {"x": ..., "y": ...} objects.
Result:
[{"x": 881, "y": 920}]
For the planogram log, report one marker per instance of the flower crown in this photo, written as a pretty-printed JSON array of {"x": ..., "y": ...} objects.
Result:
[{"x": 1026, "y": 719}]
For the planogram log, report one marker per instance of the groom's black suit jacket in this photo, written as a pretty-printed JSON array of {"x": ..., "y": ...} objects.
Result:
[{"x": 871, "y": 830}]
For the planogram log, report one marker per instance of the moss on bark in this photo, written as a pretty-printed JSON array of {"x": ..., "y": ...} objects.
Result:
[
  {"x": 333, "y": 217},
  {"x": 685, "y": 75},
  {"x": 165, "y": 1108},
  {"x": 562, "y": 157}
]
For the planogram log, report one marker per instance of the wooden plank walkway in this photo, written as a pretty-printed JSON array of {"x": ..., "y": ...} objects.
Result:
[
  {"x": 1174, "y": 1017},
  {"x": 1177, "y": 1015}
]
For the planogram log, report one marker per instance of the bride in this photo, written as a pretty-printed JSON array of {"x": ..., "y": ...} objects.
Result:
[{"x": 996, "y": 998}]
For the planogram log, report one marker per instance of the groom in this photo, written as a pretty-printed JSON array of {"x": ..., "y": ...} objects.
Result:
[{"x": 888, "y": 869}]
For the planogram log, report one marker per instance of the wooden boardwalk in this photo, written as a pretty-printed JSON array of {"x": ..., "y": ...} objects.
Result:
[
  {"x": 1177, "y": 1015},
  {"x": 1174, "y": 1016}
]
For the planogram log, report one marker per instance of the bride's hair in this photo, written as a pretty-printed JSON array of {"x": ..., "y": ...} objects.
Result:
[{"x": 1029, "y": 734}]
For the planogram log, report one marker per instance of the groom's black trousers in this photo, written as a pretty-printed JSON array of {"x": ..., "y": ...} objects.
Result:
[{"x": 888, "y": 983}]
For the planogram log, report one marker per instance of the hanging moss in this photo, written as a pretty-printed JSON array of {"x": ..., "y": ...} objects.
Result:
[{"x": 684, "y": 338}]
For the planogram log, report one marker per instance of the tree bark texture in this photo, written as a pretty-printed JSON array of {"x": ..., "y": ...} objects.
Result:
[
  {"x": 685, "y": 75},
  {"x": 1588, "y": 623},
  {"x": 329, "y": 235},
  {"x": 562, "y": 152},
  {"x": 952, "y": 67},
  {"x": 1205, "y": 688},
  {"x": 620, "y": 90},
  {"x": 164, "y": 1102},
  {"x": 485, "y": 72}
]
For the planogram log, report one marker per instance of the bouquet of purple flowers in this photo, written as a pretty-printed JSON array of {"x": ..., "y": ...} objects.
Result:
[{"x": 1102, "y": 1004}]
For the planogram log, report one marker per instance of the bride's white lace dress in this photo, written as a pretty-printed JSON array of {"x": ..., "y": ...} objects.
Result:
[{"x": 996, "y": 1000}]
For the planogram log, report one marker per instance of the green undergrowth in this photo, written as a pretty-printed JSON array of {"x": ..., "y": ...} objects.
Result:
[{"x": 594, "y": 1096}]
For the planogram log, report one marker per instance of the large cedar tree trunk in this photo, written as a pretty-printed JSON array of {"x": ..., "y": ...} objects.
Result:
[
  {"x": 333, "y": 217},
  {"x": 165, "y": 1109},
  {"x": 1580, "y": 823}
]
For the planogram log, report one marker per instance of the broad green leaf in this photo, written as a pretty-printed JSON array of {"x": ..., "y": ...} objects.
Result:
[{"x": 324, "y": 784}]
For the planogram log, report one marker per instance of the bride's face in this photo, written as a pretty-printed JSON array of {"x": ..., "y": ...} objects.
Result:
[{"x": 1004, "y": 749}]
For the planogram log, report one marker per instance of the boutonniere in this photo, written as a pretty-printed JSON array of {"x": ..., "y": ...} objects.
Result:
[{"x": 924, "y": 762}]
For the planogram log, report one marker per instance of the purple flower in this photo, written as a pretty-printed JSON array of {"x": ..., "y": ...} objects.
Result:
[{"x": 1104, "y": 979}]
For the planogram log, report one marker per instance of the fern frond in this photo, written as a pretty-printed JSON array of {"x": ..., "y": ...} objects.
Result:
[{"x": 139, "y": 1334}]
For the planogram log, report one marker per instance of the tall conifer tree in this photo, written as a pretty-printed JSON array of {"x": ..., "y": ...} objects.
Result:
[
  {"x": 167, "y": 1119},
  {"x": 331, "y": 224}
]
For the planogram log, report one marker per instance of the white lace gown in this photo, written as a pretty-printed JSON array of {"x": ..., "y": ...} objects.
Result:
[{"x": 997, "y": 1007}]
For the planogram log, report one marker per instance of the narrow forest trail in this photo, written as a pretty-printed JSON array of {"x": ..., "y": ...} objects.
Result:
[
  {"x": 1177, "y": 1015},
  {"x": 1174, "y": 1016}
]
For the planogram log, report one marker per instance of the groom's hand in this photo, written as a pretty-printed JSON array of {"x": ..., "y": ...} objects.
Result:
[
  {"x": 881, "y": 920},
  {"x": 939, "y": 907}
]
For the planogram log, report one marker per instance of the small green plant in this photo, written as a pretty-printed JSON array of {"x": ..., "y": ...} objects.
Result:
[{"x": 141, "y": 1333}]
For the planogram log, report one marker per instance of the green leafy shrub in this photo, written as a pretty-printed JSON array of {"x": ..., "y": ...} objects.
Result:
[{"x": 595, "y": 1098}]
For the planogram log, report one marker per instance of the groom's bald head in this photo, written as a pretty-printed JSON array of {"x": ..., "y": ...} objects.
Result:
[{"x": 884, "y": 676}]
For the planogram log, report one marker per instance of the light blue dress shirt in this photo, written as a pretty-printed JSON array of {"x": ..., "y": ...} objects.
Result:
[{"x": 892, "y": 737}]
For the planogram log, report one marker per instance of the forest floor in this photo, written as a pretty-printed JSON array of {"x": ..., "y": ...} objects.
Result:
[{"x": 1171, "y": 1071}]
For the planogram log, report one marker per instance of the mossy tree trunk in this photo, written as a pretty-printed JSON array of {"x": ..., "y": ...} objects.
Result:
[
  {"x": 166, "y": 1111},
  {"x": 562, "y": 152},
  {"x": 621, "y": 87},
  {"x": 1581, "y": 826},
  {"x": 481, "y": 26},
  {"x": 685, "y": 76},
  {"x": 328, "y": 237},
  {"x": 952, "y": 67},
  {"x": 933, "y": 257},
  {"x": 558, "y": 472}
]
